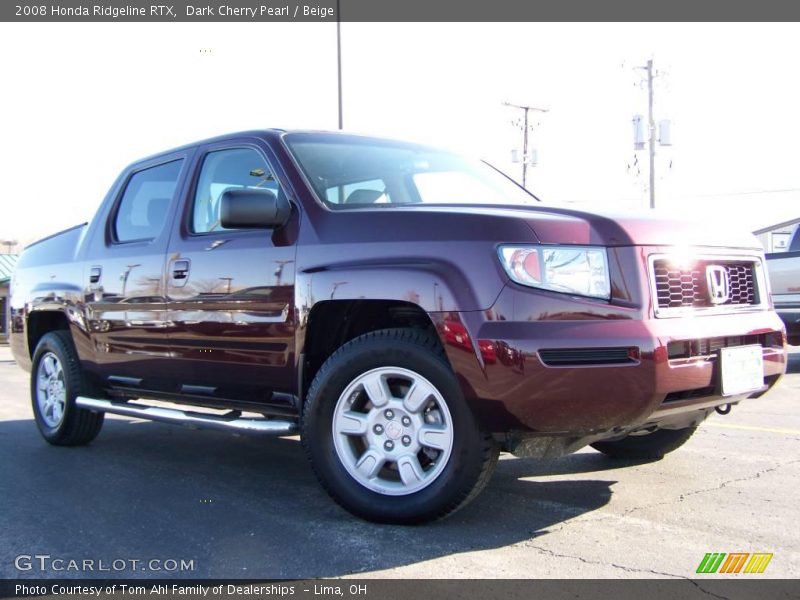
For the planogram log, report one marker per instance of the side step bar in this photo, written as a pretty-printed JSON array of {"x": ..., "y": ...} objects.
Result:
[{"x": 230, "y": 422}]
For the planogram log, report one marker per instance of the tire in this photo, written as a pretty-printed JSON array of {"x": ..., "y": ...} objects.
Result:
[
  {"x": 439, "y": 458},
  {"x": 652, "y": 446},
  {"x": 56, "y": 380}
]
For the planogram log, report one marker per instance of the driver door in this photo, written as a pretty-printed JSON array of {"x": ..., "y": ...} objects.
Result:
[{"x": 230, "y": 293}]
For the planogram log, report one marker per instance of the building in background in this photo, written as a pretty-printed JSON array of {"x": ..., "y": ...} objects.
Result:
[
  {"x": 777, "y": 238},
  {"x": 7, "y": 264}
]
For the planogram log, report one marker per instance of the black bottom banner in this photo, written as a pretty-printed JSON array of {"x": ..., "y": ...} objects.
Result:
[{"x": 389, "y": 589}]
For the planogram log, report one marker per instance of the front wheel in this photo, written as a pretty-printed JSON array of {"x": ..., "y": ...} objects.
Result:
[
  {"x": 651, "y": 446},
  {"x": 389, "y": 434}
]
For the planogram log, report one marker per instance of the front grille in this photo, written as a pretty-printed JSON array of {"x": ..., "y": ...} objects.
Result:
[{"x": 686, "y": 286}]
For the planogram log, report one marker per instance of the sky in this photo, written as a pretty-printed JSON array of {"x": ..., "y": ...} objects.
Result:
[{"x": 82, "y": 100}]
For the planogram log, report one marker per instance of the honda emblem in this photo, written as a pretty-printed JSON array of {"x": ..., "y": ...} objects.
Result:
[{"x": 719, "y": 284}]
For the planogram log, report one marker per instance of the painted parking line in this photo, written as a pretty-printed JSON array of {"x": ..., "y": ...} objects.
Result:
[{"x": 751, "y": 428}]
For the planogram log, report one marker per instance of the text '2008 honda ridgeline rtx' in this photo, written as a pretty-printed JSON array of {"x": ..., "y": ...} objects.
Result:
[{"x": 408, "y": 312}]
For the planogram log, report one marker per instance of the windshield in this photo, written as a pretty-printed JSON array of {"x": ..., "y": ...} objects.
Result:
[{"x": 354, "y": 172}]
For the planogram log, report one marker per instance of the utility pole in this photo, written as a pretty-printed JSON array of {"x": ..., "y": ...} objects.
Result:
[
  {"x": 651, "y": 125},
  {"x": 279, "y": 270},
  {"x": 339, "y": 61},
  {"x": 525, "y": 130},
  {"x": 227, "y": 280}
]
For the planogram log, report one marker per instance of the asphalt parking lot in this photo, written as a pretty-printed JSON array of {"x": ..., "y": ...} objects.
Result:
[{"x": 248, "y": 507}]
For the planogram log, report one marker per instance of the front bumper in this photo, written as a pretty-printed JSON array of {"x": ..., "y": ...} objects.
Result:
[{"x": 515, "y": 378}]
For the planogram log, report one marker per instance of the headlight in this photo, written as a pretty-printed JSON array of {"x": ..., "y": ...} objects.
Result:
[{"x": 568, "y": 269}]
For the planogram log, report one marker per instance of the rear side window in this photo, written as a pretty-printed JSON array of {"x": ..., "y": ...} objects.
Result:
[
  {"x": 143, "y": 209},
  {"x": 223, "y": 170}
]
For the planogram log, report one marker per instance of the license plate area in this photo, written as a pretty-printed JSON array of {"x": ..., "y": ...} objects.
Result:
[{"x": 741, "y": 369}]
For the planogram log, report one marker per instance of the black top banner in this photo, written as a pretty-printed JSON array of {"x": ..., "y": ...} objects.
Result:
[{"x": 396, "y": 10}]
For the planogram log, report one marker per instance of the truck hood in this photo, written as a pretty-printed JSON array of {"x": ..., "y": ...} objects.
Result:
[{"x": 566, "y": 225}]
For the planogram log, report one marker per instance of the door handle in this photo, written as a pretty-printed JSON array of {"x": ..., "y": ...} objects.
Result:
[
  {"x": 180, "y": 269},
  {"x": 94, "y": 274}
]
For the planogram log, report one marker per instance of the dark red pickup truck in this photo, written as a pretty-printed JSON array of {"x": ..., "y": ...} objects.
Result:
[{"x": 409, "y": 312}]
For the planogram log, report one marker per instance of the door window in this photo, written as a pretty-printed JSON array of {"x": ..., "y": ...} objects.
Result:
[{"x": 223, "y": 170}]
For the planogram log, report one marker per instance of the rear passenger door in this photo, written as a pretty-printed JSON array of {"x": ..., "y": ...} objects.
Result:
[
  {"x": 125, "y": 296},
  {"x": 230, "y": 293}
]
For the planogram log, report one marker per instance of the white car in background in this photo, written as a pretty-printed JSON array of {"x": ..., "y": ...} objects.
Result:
[{"x": 784, "y": 277}]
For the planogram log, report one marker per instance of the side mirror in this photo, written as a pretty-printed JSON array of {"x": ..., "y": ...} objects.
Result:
[{"x": 248, "y": 208}]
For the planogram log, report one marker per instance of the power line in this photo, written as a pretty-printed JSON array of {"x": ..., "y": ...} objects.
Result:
[{"x": 748, "y": 193}]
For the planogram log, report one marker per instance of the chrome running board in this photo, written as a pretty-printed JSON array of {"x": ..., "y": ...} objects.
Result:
[{"x": 230, "y": 422}]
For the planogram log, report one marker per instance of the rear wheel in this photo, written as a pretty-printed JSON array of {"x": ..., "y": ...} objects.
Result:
[
  {"x": 389, "y": 434},
  {"x": 651, "y": 446},
  {"x": 56, "y": 380}
]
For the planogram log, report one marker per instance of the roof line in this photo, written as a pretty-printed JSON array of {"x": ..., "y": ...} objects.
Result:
[{"x": 777, "y": 225}]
